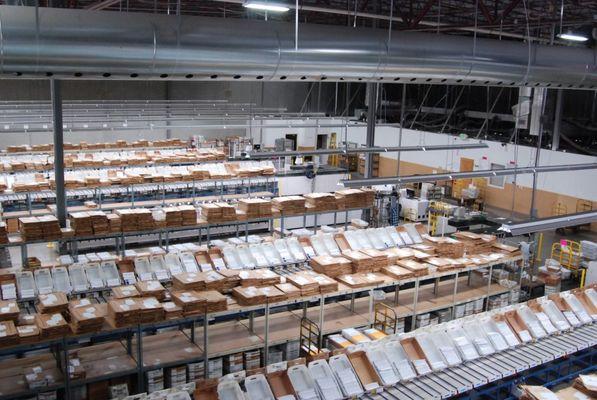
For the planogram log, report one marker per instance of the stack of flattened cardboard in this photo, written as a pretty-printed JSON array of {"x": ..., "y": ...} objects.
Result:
[
  {"x": 231, "y": 278},
  {"x": 125, "y": 292},
  {"x": 37, "y": 228},
  {"x": 150, "y": 310},
  {"x": 8, "y": 334},
  {"x": 9, "y": 310},
  {"x": 353, "y": 198},
  {"x": 214, "y": 301},
  {"x": 173, "y": 216},
  {"x": 80, "y": 222},
  {"x": 99, "y": 222},
  {"x": 189, "y": 215},
  {"x": 442, "y": 264},
  {"x": 259, "y": 277},
  {"x": 273, "y": 294},
  {"x": 326, "y": 284},
  {"x": 249, "y": 296},
  {"x": 291, "y": 291},
  {"x": 508, "y": 250},
  {"x": 361, "y": 262},
  {"x": 208, "y": 280},
  {"x": 28, "y": 333},
  {"x": 255, "y": 208},
  {"x": 362, "y": 279},
  {"x": 331, "y": 266},
  {"x": 52, "y": 325},
  {"x": 151, "y": 289},
  {"x": 398, "y": 272},
  {"x": 320, "y": 202},
  {"x": 289, "y": 205},
  {"x": 88, "y": 318},
  {"x": 122, "y": 312},
  {"x": 115, "y": 223},
  {"x": 137, "y": 219},
  {"x": 417, "y": 268},
  {"x": 379, "y": 258},
  {"x": 394, "y": 254},
  {"x": 445, "y": 246},
  {"x": 228, "y": 212},
  {"x": 172, "y": 310},
  {"x": 3, "y": 233},
  {"x": 52, "y": 303},
  {"x": 213, "y": 213},
  {"x": 307, "y": 285},
  {"x": 191, "y": 302},
  {"x": 475, "y": 243}
]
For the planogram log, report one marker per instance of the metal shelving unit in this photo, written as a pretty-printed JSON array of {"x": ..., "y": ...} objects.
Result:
[{"x": 132, "y": 337}]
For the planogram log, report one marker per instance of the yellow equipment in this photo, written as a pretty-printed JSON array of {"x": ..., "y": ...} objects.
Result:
[
  {"x": 567, "y": 253},
  {"x": 333, "y": 158},
  {"x": 436, "y": 209}
]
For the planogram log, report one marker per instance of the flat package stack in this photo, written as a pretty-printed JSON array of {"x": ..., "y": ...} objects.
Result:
[
  {"x": 354, "y": 198},
  {"x": 588, "y": 249},
  {"x": 255, "y": 208},
  {"x": 511, "y": 251},
  {"x": 259, "y": 277},
  {"x": 9, "y": 335},
  {"x": 150, "y": 310},
  {"x": 379, "y": 258},
  {"x": 361, "y": 262},
  {"x": 214, "y": 301},
  {"x": 52, "y": 303},
  {"x": 208, "y": 280},
  {"x": 326, "y": 284},
  {"x": 305, "y": 283},
  {"x": 249, "y": 296},
  {"x": 445, "y": 246},
  {"x": 52, "y": 325},
  {"x": 316, "y": 202},
  {"x": 9, "y": 310},
  {"x": 331, "y": 266},
  {"x": 417, "y": 268},
  {"x": 289, "y": 205},
  {"x": 122, "y": 312},
  {"x": 151, "y": 289},
  {"x": 188, "y": 214},
  {"x": 115, "y": 223},
  {"x": 45, "y": 227},
  {"x": 173, "y": 216},
  {"x": 3, "y": 233},
  {"x": 190, "y": 301},
  {"x": 87, "y": 319},
  {"x": 215, "y": 213},
  {"x": 99, "y": 222},
  {"x": 475, "y": 243},
  {"x": 137, "y": 219},
  {"x": 361, "y": 279},
  {"x": 80, "y": 222},
  {"x": 172, "y": 310}
]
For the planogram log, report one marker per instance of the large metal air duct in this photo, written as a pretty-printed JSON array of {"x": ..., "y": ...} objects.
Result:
[{"x": 91, "y": 45}]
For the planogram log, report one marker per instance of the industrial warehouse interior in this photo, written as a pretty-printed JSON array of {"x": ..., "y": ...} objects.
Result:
[{"x": 298, "y": 199}]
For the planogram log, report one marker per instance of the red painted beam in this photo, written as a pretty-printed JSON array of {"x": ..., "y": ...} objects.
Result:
[
  {"x": 415, "y": 22},
  {"x": 485, "y": 11}
]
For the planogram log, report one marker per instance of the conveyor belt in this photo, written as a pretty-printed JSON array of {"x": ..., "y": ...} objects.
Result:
[{"x": 476, "y": 373}]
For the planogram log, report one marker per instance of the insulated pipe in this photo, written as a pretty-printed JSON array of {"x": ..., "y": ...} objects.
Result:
[
  {"x": 95, "y": 44},
  {"x": 394, "y": 180}
]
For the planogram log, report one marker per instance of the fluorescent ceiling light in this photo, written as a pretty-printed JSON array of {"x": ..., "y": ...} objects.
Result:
[
  {"x": 551, "y": 223},
  {"x": 574, "y": 37},
  {"x": 266, "y": 6},
  {"x": 395, "y": 180}
]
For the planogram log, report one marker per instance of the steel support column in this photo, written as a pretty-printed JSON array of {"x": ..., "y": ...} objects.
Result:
[
  {"x": 372, "y": 89},
  {"x": 56, "y": 93},
  {"x": 557, "y": 121}
]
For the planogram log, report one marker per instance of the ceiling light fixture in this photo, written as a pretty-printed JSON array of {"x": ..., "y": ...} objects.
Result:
[
  {"x": 574, "y": 37},
  {"x": 266, "y": 6}
]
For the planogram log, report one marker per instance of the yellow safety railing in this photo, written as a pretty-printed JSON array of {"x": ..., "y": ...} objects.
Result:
[
  {"x": 567, "y": 253},
  {"x": 309, "y": 337}
]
